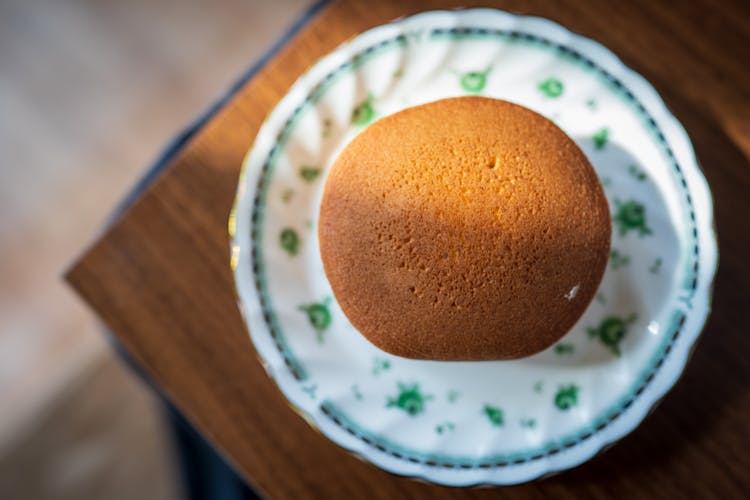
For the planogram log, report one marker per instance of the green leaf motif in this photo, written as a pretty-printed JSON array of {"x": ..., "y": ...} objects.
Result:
[
  {"x": 637, "y": 173},
  {"x": 453, "y": 396},
  {"x": 601, "y": 138},
  {"x": 289, "y": 241},
  {"x": 528, "y": 423},
  {"x": 656, "y": 266},
  {"x": 564, "y": 348},
  {"x": 286, "y": 196},
  {"x": 687, "y": 300},
  {"x": 310, "y": 390},
  {"x": 445, "y": 427},
  {"x": 630, "y": 216},
  {"x": 611, "y": 331},
  {"x": 494, "y": 414},
  {"x": 319, "y": 316},
  {"x": 380, "y": 365},
  {"x": 618, "y": 260},
  {"x": 551, "y": 87},
  {"x": 475, "y": 81},
  {"x": 409, "y": 399},
  {"x": 356, "y": 392},
  {"x": 309, "y": 174},
  {"x": 364, "y": 112},
  {"x": 566, "y": 397}
]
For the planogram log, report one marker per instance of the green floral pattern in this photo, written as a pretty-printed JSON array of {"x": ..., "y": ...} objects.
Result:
[
  {"x": 527, "y": 423},
  {"x": 601, "y": 138},
  {"x": 551, "y": 87},
  {"x": 364, "y": 112},
  {"x": 308, "y": 173},
  {"x": 656, "y": 266},
  {"x": 611, "y": 331},
  {"x": 453, "y": 396},
  {"x": 409, "y": 399},
  {"x": 566, "y": 397},
  {"x": 564, "y": 348},
  {"x": 630, "y": 216},
  {"x": 357, "y": 393},
  {"x": 495, "y": 415},
  {"x": 618, "y": 260},
  {"x": 319, "y": 316},
  {"x": 445, "y": 427},
  {"x": 310, "y": 390},
  {"x": 687, "y": 300},
  {"x": 380, "y": 365},
  {"x": 637, "y": 173},
  {"x": 475, "y": 81},
  {"x": 289, "y": 241}
]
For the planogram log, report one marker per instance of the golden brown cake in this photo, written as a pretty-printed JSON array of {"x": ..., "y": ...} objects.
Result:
[{"x": 464, "y": 229}]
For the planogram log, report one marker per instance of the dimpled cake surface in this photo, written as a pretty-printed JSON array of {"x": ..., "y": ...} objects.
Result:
[{"x": 464, "y": 229}]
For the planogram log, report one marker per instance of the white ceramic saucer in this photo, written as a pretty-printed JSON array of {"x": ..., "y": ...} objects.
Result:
[{"x": 491, "y": 422}]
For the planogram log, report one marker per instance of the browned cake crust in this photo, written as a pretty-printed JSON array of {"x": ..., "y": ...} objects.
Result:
[{"x": 464, "y": 229}]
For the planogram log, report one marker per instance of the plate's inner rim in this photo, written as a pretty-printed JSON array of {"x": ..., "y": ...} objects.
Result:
[{"x": 335, "y": 415}]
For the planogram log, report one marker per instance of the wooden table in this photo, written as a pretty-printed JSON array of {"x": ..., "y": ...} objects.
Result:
[{"x": 160, "y": 276}]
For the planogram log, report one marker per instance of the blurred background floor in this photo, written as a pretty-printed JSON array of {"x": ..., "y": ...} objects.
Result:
[{"x": 90, "y": 91}]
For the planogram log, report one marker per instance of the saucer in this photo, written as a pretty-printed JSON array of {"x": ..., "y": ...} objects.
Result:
[{"x": 467, "y": 423}]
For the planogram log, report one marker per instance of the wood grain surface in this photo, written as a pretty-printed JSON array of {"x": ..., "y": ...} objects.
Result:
[{"x": 160, "y": 276}]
